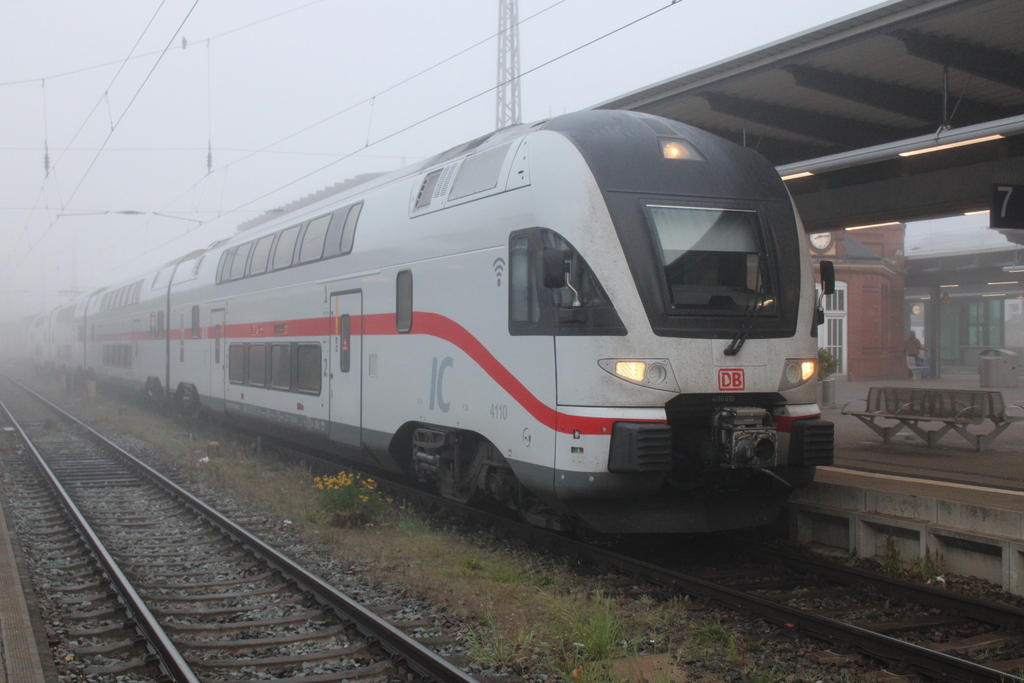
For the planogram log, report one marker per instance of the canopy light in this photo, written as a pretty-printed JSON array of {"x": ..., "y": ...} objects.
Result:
[
  {"x": 1011, "y": 282},
  {"x": 873, "y": 225},
  {"x": 797, "y": 175},
  {"x": 951, "y": 145},
  {"x": 975, "y": 213},
  {"x": 949, "y": 285},
  {"x": 1014, "y": 269}
]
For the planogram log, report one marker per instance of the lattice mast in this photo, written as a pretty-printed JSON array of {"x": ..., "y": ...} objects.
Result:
[{"x": 510, "y": 110}]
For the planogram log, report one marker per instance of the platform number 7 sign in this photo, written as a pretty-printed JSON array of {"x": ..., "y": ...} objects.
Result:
[{"x": 1007, "y": 207}]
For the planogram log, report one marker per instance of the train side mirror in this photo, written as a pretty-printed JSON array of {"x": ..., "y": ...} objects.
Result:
[
  {"x": 556, "y": 267},
  {"x": 828, "y": 278}
]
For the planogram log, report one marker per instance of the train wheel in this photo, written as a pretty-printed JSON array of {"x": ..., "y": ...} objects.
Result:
[
  {"x": 154, "y": 390},
  {"x": 186, "y": 398}
]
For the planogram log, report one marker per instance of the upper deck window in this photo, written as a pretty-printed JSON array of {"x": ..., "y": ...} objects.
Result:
[
  {"x": 714, "y": 259},
  {"x": 285, "y": 248},
  {"x": 313, "y": 240},
  {"x": 238, "y": 264},
  {"x": 260, "y": 255}
]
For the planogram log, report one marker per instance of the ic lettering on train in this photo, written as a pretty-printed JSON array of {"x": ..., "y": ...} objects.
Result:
[
  {"x": 437, "y": 384},
  {"x": 731, "y": 379}
]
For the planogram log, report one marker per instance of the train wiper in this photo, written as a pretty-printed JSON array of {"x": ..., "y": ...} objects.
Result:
[
  {"x": 753, "y": 312},
  {"x": 748, "y": 322}
]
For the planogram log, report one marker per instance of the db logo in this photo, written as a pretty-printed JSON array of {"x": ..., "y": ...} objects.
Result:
[{"x": 731, "y": 380}]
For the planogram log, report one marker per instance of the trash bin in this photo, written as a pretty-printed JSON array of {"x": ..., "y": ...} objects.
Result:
[{"x": 998, "y": 368}]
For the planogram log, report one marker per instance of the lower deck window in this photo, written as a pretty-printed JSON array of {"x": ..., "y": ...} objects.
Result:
[
  {"x": 308, "y": 373},
  {"x": 236, "y": 363},
  {"x": 293, "y": 367},
  {"x": 117, "y": 355},
  {"x": 257, "y": 370},
  {"x": 281, "y": 366}
]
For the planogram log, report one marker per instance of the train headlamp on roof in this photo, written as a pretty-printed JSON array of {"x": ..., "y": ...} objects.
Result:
[{"x": 679, "y": 150}]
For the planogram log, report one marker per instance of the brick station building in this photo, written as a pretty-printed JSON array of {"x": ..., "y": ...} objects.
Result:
[{"x": 864, "y": 319}]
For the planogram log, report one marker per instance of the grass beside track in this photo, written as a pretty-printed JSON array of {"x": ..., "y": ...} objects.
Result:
[{"x": 530, "y": 614}]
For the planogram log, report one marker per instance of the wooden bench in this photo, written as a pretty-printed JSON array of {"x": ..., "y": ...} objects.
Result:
[{"x": 957, "y": 409}]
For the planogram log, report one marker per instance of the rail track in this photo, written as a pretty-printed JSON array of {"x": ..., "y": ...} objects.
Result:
[
  {"x": 155, "y": 583},
  {"x": 901, "y": 625}
]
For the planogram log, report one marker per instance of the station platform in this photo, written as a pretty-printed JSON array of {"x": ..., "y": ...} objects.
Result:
[
  {"x": 962, "y": 507},
  {"x": 953, "y": 459},
  {"x": 21, "y": 639}
]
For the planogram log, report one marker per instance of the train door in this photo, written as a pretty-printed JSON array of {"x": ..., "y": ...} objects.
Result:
[
  {"x": 345, "y": 376},
  {"x": 218, "y": 357}
]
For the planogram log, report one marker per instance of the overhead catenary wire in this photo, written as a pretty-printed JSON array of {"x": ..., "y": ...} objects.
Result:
[
  {"x": 425, "y": 119},
  {"x": 119, "y": 119},
  {"x": 73, "y": 72},
  {"x": 459, "y": 104},
  {"x": 266, "y": 148},
  {"x": 74, "y": 137}
]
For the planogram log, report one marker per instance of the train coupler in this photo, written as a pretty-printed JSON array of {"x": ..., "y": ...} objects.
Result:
[{"x": 745, "y": 438}]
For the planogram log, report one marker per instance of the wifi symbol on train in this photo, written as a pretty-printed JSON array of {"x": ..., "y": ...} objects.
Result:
[{"x": 499, "y": 268}]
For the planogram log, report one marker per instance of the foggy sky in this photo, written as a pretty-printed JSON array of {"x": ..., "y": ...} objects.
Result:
[{"x": 253, "y": 73}]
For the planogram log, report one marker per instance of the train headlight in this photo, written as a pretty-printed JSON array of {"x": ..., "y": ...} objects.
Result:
[
  {"x": 653, "y": 373},
  {"x": 797, "y": 371},
  {"x": 677, "y": 148},
  {"x": 656, "y": 373},
  {"x": 793, "y": 373},
  {"x": 807, "y": 369},
  {"x": 633, "y": 370}
]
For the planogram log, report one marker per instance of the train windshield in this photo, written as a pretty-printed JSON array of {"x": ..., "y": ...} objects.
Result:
[{"x": 714, "y": 260}]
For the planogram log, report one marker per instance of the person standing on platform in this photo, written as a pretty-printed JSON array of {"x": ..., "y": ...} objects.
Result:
[{"x": 913, "y": 347}]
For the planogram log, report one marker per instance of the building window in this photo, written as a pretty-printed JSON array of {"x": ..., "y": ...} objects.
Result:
[
  {"x": 403, "y": 305},
  {"x": 835, "y": 328}
]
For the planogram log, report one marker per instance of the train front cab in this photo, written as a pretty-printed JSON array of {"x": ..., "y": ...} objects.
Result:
[{"x": 710, "y": 420}]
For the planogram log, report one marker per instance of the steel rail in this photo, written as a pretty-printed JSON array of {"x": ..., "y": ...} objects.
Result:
[
  {"x": 158, "y": 642},
  {"x": 968, "y": 605},
  {"x": 419, "y": 658},
  {"x": 937, "y": 665}
]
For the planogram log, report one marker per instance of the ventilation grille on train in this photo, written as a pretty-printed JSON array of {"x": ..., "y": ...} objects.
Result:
[
  {"x": 640, "y": 447},
  {"x": 435, "y": 185},
  {"x": 812, "y": 443},
  {"x": 446, "y": 179}
]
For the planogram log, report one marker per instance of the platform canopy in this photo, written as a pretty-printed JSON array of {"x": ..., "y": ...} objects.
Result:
[{"x": 844, "y": 101}]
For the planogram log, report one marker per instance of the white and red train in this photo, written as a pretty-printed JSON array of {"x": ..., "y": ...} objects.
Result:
[{"x": 608, "y": 317}]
